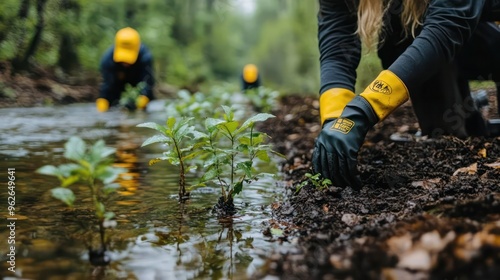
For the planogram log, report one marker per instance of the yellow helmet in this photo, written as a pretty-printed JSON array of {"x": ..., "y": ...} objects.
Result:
[
  {"x": 250, "y": 73},
  {"x": 127, "y": 45}
]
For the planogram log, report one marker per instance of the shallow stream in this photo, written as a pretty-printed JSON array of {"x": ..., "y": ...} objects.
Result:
[{"x": 155, "y": 236}]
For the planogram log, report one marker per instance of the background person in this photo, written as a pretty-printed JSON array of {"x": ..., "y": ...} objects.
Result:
[
  {"x": 250, "y": 77},
  {"x": 126, "y": 62},
  {"x": 430, "y": 49}
]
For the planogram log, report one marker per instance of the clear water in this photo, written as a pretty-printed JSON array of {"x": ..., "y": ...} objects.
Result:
[{"x": 155, "y": 237}]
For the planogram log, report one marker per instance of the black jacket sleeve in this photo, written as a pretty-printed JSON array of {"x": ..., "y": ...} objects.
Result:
[
  {"x": 447, "y": 26},
  {"x": 339, "y": 46}
]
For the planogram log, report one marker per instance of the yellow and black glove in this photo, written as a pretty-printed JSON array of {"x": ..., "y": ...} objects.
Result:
[
  {"x": 141, "y": 102},
  {"x": 336, "y": 148},
  {"x": 102, "y": 104}
]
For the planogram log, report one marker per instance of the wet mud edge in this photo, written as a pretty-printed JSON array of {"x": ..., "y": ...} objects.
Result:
[{"x": 428, "y": 209}]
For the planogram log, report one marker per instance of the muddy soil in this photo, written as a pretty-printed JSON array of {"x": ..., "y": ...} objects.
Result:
[{"x": 429, "y": 209}]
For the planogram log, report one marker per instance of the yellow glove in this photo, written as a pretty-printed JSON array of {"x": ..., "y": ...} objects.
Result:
[
  {"x": 386, "y": 93},
  {"x": 102, "y": 104},
  {"x": 141, "y": 102},
  {"x": 332, "y": 103}
]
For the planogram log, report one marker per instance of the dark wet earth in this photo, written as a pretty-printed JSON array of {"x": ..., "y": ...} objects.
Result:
[{"x": 429, "y": 209}]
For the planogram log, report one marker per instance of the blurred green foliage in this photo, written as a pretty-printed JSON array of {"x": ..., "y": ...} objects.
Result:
[{"x": 194, "y": 42}]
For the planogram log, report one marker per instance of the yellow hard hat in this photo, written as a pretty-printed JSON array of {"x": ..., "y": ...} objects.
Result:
[
  {"x": 127, "y": 45},
  {"x": 250, "y": 73}
]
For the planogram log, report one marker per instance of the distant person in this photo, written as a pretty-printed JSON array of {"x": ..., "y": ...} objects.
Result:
[
  {"x": 250, "y": 77},
  {"x": 126, "y": 62}
]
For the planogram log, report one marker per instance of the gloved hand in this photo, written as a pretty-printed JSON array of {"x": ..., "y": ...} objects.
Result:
[
  {"x": 336, "y": 148},
  {"x": 102, "y": 104},
  {"x": 141, "y": 102}
]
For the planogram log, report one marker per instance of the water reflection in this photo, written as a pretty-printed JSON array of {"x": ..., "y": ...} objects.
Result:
[{"x": 155, "y": 237}]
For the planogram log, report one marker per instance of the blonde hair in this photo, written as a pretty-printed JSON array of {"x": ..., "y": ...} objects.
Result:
[{"x": 371, "y": 14}]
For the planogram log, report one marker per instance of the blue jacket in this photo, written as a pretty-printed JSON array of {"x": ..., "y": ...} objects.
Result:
[{"x": 116, "y": 76}]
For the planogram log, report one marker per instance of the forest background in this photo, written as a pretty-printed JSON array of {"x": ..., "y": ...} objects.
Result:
[{"x": 195, "y": 43}]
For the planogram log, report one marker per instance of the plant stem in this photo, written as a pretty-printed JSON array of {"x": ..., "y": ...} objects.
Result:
[
  {"x": 100, "y": 219},
  {"x": 182, "y": 176}
]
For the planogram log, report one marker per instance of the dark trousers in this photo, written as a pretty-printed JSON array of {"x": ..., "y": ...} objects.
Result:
[{"x": 443, "y": 104}]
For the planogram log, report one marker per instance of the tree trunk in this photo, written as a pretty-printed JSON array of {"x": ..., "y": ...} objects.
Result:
[
  {"x": 35, "y": 41},
  {"x": 68, "y": 57}
]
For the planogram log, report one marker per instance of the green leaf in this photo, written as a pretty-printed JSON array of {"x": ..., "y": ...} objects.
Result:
[
  {"x": 109, "y": 188},
  {"x": 211, "y": 124},
  {"x": 209, "y": 175},
  {"x": 68, "y": 181},
  {"x": 109, "y": 215},
  {"x": 156, "y": 160},
  {"x": 156, "y": 139},
  {"x": 228, "y": 127},
  {"x": 75, "y": 149},
  {"x": 245, "y": 140},
  {"x": 100, "y": 210},
  {"x": 191, "y": 167},
  {"x": 100, "y": 150},
  {"x": 198, "y": 135},
  {"x": 109, "y": 174},
  {"x": 238, "y": 187},
  {"x": 49, "y": 170},
  {"x": 72, "y": 169},
  {"x": 246, "y": 167},
  {"x": 257, "y": 118},
  {"x": 154, "y": 126},
  {"x": 228, "y": 113},
  {"x": 64, "y": 194},
  {"x": 263, "y": 155},
  {"x": 171, "y": 122}
]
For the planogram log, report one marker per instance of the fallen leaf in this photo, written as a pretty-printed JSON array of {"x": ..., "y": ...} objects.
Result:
[
  {"x": 325, "y": 208},
  {"x": 417, "y": 259},
  {"x": 470, "y": 170},
  {"x": 495, "y": 165},
  {"x": 426, "y": 184},
  {"x": 482, "y": 153}
]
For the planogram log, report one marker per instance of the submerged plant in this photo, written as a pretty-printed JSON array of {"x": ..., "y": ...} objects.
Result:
[
  {"x": 91, "y": 166},
  {"x": 184, "y": 142},
  {"x": 233, "y": 150}
]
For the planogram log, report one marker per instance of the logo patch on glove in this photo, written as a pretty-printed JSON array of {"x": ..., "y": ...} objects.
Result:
[
  {"x": 381, "y": 87},
  {"x": 342, "y": 125}
]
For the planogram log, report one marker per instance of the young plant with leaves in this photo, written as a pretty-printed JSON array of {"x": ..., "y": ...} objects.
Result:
[
  {"x": 316, "y": 180},
  {"x": 184, "y": 142},
  {"x": 130, "y": 95},
  {"x": 233, "y": 150},
  {"x": 262, "y": 99},
  {"x": 91, "y": 166}
]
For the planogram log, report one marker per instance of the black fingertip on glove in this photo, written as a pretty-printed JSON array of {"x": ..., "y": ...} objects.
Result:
[{"x": 336, "y": 148}]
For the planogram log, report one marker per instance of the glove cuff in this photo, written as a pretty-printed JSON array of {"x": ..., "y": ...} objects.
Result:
[
  {"x": 385, "y": 94},
  {"x": 142, "y": 101},
  {"x": 102, "y": 104},
  {"x": 332, "y": 103}
]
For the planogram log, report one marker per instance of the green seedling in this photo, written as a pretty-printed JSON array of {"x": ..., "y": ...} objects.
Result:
[
  {"x": 316, "y": 181},
  {"x": 184, "y": 142},
  {"x": 233, "y": 150},
  {"x": 262, "y": 99},
  {"x": 91, "y": 166},
  {"x": 130, "y": 94}
]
